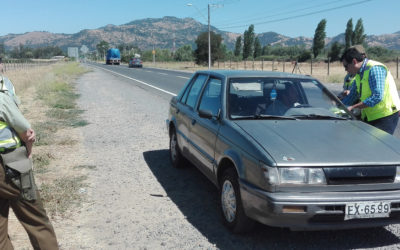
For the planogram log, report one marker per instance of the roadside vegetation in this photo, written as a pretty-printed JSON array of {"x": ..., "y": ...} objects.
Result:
[{"x": 48, "y": 100}]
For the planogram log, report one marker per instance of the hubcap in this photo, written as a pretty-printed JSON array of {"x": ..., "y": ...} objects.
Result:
[
  {"x": 228, "y": 201},
  {"x": 173, "y": 148}
]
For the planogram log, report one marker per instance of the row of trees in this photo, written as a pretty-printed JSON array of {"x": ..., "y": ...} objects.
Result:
[{"x": 23, "y": 52}]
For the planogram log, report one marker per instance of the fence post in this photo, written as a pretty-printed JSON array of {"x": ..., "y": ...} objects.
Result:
[
  {"x": 253, "y": 64},
  {"x": 283, "y": 65},
  {"x": 311, "y": 66},
  {"x": 272, "y": 65},
  {"x": 329, "y": 61},
  {"x": 262, "y": 64},
  {"x": 397, "y": 71},
  {"x": 244, "y": 64}
]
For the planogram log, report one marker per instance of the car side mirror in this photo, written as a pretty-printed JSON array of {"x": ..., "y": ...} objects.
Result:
[{"x": 205, "y": 114}]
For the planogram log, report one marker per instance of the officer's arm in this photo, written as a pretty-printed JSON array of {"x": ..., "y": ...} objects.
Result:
[
  {"x": 29, "y": 138},
  {"x": 377, "y": 77}
]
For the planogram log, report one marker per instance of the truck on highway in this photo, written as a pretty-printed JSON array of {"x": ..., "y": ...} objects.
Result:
[{"x": 113, "y": 56}]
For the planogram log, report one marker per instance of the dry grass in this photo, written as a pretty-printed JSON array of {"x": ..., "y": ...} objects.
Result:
[
  {"x": 48, "y": 102},
  {"x": 319, "y": 70}
]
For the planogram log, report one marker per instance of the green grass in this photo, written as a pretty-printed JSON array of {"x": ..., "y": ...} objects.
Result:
[{"x": 44, "y": 132}]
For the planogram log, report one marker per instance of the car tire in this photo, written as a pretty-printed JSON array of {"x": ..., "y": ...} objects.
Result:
[
  {"x": 175, "y": 155},
  {"x": 231, "y": 204}
]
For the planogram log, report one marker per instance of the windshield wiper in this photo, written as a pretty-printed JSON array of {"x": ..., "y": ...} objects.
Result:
[
  {"x": 319, "y": 117},
  {"x": 265, "y": 117}
]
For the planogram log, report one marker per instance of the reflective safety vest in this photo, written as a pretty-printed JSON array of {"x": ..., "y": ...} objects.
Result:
[
  {"x": 348, "y": 81},
  {"x": 8, "y": 138},
  {"x": 390, "y": 102}
]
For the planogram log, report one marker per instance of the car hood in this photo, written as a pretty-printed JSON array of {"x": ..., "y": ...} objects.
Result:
[{"x": 323, "y": 142}]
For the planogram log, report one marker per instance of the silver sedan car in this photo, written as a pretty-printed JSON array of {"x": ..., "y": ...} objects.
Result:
[{"x": 284, "y": 151}]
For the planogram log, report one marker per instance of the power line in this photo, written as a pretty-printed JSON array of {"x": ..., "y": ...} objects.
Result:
[
  {"x": 262, "y": 15},
  {"x": 296, "y": 16},
  {"x": 280, "y": 13}
]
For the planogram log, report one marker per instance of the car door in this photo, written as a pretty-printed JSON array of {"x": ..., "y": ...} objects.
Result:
[
  {"x": 185, "y": 112},
  {"x": 204, "y": 130}
]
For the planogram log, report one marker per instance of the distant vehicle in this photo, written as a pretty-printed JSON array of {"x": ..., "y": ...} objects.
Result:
[
  {"x": 113, "y": 56},
  {"x": 135, "y": 63},
  {"x": 284, "y": 151}
]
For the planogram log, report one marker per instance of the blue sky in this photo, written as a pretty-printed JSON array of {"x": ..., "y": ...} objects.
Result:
[{"x": 288, "y": 17}]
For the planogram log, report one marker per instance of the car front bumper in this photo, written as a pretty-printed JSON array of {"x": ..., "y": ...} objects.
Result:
[{"x": 320, "y": 211}]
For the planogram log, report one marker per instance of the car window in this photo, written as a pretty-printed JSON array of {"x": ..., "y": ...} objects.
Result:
[
  {"x": 249, "y": 97},
  {"x": 211, "y": 98},
  {"x": 195, "y": 89}
]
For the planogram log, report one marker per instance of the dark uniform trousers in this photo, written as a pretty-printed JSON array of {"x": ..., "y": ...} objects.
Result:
[{"x": 31, "y": 215}]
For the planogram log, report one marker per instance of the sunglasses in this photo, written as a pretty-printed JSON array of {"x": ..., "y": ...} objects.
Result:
[{"x": 346, "y": 66}]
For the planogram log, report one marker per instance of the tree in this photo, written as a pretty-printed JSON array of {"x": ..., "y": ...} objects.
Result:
[
  {"x": 349, "y": 34},
  {"x": 319, "y": 38},
  {"x": 248, "y": 42},
  {"x": 257, "y": 48},
  {"x": 102, "y": 47},
  {"x": 201, "y": 53},
  {"x": 238, "y": 46},
  {"x": 2, "y": 49},
  {"x": 334, "y": 52},
  {"x": 266, "y": 50},
  {"x": 359, "y": 35},
  {"x": 184, "y": 53}
]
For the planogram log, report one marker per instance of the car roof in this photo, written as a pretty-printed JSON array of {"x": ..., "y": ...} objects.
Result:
[{"x": 252, "y": 73}]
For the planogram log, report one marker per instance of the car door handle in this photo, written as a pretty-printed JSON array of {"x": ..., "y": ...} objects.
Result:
[{"x": 193, "y": 121}]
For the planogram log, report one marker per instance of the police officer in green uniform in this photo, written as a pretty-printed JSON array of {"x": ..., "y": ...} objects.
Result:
[
  {"x": 375, "y": 89},
  {"x": 16, "y": 135}
]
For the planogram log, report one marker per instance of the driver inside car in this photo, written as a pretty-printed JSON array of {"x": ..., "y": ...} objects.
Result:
[{"x": 281, "y": 103}]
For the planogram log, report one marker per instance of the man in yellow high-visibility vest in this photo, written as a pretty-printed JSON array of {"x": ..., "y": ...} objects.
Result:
[
  {"x": 375, "y": 88},
  {"x": 349, "y": 78}
]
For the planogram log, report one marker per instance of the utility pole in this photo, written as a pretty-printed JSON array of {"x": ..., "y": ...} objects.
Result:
[
  {"x": 209, "y": 28},
  {"x": 153, "y": 51},
  {"x": 209, "y": 39}
]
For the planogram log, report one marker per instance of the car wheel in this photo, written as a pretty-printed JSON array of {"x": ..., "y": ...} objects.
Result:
[
  {"x": 175, "y": 155},
  {"x": 231, "y": 204}
]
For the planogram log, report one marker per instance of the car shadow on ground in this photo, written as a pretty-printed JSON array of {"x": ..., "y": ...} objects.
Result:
[{"x": 197, "y": 198}]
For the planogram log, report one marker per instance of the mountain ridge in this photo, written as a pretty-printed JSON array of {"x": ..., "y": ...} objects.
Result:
[{"x": 167, "y": 33}]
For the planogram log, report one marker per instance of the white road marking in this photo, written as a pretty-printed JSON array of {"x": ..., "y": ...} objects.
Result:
[
  {"x": 184, "y": 77},
  {"x": 162, "y": 73},
  {"x": 144, "y": 83}
]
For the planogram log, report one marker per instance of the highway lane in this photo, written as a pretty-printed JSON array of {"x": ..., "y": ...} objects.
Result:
[{"x": 167, "y": 81}]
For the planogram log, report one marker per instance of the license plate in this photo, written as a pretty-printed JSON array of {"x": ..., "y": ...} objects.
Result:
[{"x": 370, "y": 209}]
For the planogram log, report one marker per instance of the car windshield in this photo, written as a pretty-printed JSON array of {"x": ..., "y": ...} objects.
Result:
[{"x": 252, "y": 98}]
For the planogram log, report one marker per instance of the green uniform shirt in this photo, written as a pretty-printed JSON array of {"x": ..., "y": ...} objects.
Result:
[{"x": 10, "y": 113}]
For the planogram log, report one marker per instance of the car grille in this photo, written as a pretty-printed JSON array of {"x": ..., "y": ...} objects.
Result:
[{"x": 360, "y": 175}]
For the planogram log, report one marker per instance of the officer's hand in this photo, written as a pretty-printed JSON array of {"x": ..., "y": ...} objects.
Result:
[{"x": 31, "y": 135}]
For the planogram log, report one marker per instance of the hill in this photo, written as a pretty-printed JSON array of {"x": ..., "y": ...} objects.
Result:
[{"x": 166, "y": 33}]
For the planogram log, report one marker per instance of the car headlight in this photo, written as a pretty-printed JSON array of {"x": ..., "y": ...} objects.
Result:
[
  {"x": 295, "y": 175},
  {"x": 397, "y": 178}
]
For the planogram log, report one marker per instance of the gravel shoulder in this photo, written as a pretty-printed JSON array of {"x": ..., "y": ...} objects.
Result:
[{"x": 136, "y": 200}]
